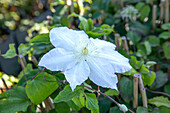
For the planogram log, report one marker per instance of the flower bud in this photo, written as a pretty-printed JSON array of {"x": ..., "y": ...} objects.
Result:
[{"x": 124, "y": 108}]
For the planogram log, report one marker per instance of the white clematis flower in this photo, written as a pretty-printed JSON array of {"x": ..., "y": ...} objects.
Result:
[{"x": 80, "y": 57}]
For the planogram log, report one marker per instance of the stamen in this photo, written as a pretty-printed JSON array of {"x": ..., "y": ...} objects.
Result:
[{"x": 85, "y": 51}]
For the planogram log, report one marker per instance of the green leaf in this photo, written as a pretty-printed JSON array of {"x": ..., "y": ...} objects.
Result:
[
  {"x": 85, "y": 24},
  {"x": 147, "y": 76},
  {"x": 166, "y": 48},
  {"x": 161, "y": 109},
  {"x": 94, "y": 34},
  {"x": 148, "y": 47},
  {"x": 164, "y": 110},
  {"x": 139, "y": 5},
  {"x": 122, "y": 52},
  {"x": 160, "y": 101},
  {"x": 14, "y": 100},
  {"x": 91, "y": 102},
  {"x": 29, "y": 76},
  {"x": 115, "y": 110},
  {"x": 134, "y": 62},
  {"x": 161, "y": 80},
  {"x": 104, "y": 104},
  {"x": 133, "y": 36},
  {"x": 23, "y": 49},
  {"x": 79, "y": 101},
  {"x": 150, "y": 63},
  {"x": 141, "y": 50},
  {"x": 167, "y": 89},
  {"x": 73, "y": 14},
  {"x": 140, "y": 27},
  {"x": 131, "y": 72},
  {"x": 144, "y": 12},
  {"x": 126, "y": 89},
  {"x": 27, "y": 69},
  {"x": 165, "y": 35},
  {"x": 141, "y": 110},
  {"x": 144, "y": 70},
  {"x": 38, "y": 89},
  {"x": 154, "y": 41},
  {"x": 67, "y": 94},
  {"x": 140, "y": 53},
  {"x": 88, "y": 88},
  {"x": 97, "y": 32},
  {"x": 90, "y": 23},
  {"x": 112, "y": 92},
  {"x": 64, "y": 21},
  {"x": 73, "y": 105},
  {"x": 11, "y": 52},
  {"x": 166, "y": 26},
  {"x": 62, "y": 107},
  {"x": 42, "y": 38}
]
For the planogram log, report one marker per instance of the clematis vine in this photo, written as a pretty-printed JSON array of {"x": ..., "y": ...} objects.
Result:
[{"x": 81, "y": 58}]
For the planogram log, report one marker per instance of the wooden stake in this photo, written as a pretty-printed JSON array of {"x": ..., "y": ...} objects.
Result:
[
  {"x": 70, "y": 4},
  {"x": 22, "y": 61},
  {"x": 161, "y": 10},
  {"x": 34, "y": 60},
  {"x": 166, "y": 11},
  {"x": 118, "y": 76},
  {"x": 154, "y": 16},
  {"x": 105, "y": 37},
  {"x": 80, "y": 7},
  {"x": 157, "y": 67},
  {"x": 121, "y": 3},
  {"x": 135, "y": 90},
  {"x": 42, "y": 108},
  {"x": 117, "y": 36},
  {"x": 48, "y": 104},
  {"x": 72, "y": 7},
  {"x": 23, "y": 65},
  {"x": 125, "y": 44},
  {"x": 143, "y": 92}
]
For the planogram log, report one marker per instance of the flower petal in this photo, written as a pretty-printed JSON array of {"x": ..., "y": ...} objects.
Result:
[
  {"x": 62, "y": 37},
  {"x": 102, "y": 76},
  {"x": 108, "y": 56},
  {"x": 117, "y": 62},
  {"x": 78, "y": 74},
  {"x": 103, "y": 45},
  {"x": 57, "y": 59}
]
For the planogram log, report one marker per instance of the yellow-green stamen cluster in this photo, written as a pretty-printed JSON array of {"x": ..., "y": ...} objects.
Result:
[{"x": 85, "y": 51}]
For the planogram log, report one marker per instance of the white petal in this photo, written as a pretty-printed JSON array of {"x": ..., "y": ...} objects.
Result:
[
  {"x": 62, "y": 37},
  {"x": 118, "y": 63},
  {"x": 103, "y": 45},
  {"x": 57, "y": 59},
  {"x": 102, "y": 77},
  {"x": 78, "y": 74}
]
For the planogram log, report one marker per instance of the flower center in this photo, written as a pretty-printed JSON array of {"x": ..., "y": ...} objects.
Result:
[{"x": 85, "y": 51}]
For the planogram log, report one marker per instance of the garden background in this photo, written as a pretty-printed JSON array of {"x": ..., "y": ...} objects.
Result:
[{"x": 139, "y": 28}]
